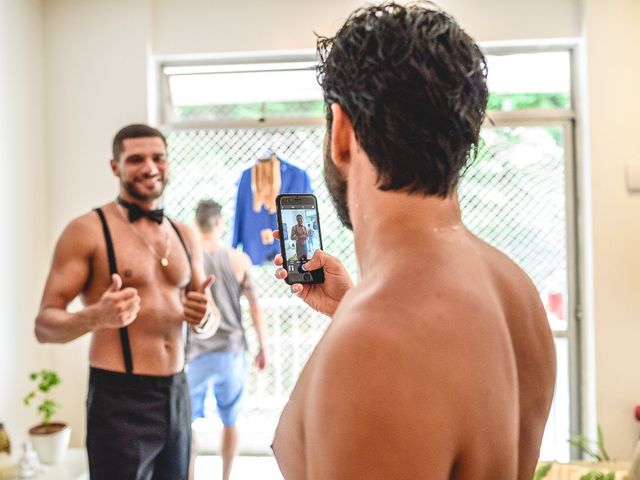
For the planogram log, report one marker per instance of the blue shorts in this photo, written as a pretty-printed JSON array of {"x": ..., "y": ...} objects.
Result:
[{"x": 225, "y": 371}]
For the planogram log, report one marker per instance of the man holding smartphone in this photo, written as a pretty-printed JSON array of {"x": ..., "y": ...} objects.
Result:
[
  {"x": 140, "y": 277},
  {"x": 440, "y": 362}
]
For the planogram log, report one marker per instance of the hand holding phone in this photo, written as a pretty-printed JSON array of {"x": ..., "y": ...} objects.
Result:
[
  {"x": 297, "y": 216},
  {"x": 324, "y": 297}
]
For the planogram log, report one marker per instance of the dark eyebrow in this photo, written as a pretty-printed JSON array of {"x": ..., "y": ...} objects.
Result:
[{"x": 133, "y": 157}]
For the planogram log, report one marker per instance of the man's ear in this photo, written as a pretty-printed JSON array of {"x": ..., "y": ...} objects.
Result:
[
  {"x": 342, "y": 136},
  {"x": 114, "y": 167}
]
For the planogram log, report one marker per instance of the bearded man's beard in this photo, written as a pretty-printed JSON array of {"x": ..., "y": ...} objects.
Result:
[
  {"x": 337, "y": 186},
  {"x": 131, "y": 189}
]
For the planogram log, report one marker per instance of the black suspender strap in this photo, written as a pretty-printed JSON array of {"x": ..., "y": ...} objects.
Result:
[
  {"x": 124, "y": 333},
  {"x": 184, "y": 245},
  {"x": 186, "y": 250}
]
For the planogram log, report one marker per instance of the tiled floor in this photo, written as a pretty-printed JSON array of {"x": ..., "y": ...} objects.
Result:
[{"x": 209, "y": 467}]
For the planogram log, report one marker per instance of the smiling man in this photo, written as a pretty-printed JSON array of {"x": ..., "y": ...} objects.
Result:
[{"x": 140, "y": 278}]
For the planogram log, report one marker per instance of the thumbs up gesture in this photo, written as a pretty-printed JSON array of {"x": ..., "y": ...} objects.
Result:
[
  {"x": 118, "y": 307},
  {"x": 197, "y": 304}
]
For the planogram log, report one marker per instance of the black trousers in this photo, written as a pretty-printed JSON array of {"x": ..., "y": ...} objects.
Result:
[{"x": 138, "y": 426}]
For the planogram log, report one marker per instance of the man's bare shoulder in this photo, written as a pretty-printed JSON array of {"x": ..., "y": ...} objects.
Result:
[
  {"x": 239, "y": 259},
  {"x": 507, "y": 273},
  {"x": 393, "y": 333},
  {"x": 187, "y": 233},
  {"x": 82, "y": 231},
  {"x": 367, "y": 401}
]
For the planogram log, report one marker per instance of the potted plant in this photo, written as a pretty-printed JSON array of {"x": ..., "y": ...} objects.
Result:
[
  {"x": 49, "y": 439},
  {"x": 598, "y": 466}
]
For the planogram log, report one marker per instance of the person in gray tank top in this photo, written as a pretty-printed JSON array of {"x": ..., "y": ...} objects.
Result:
[{"x": 220, "y": 360}]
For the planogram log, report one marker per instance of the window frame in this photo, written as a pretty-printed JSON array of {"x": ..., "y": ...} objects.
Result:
[{"x": 568, "y": 119}]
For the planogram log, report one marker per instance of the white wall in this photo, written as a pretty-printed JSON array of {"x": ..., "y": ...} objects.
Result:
[
  {"x": 204, "y": 26},
  {"x": 25, "y": 227},
  {"x": 613, "y": 39}
]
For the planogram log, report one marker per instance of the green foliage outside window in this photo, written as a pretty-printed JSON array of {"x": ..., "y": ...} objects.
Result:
[{"x": 525, "y": 101}]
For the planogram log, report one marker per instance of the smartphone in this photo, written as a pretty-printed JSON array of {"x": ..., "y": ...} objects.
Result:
[{"x": 299, "y": 227}]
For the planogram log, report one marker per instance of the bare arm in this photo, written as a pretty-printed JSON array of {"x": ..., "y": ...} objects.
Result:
[
  {"x": 249, "y": 290},
  {"x": 70, "y": 271}
]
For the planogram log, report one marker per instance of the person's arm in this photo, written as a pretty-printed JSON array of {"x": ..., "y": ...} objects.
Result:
[
  {"x": 70, "y": 271},
  {"x": 322, "y": 297},
  {"x": 372, "y": 413},
  {"x": 293, "y": 235},
  {"x": 200, "y": 311},
  {"x": 249, "y": 290}
]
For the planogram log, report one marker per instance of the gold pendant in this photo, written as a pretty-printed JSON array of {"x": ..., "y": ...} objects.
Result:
[{"x": 164, "y": 262}]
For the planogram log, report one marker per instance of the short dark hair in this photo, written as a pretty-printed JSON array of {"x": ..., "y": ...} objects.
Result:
[
  {"x": 208, "y": 213},
  {"x": 413, "y": 84},
  {"x": 137, "y": 130}
]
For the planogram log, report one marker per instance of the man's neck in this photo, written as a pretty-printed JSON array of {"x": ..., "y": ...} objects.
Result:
[
  {"x": 210, "y": 242},
  {"x": 388, "y": 224},
  {"x": 144, "y": 204}
]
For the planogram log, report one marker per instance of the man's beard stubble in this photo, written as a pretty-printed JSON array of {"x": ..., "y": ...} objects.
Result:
[
  {"x": 336, "y": 185},
  {"x": 130, "y": 188}
]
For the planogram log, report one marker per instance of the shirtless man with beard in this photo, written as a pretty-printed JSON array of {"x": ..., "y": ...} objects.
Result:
[
  {"x": 140, "y": 278},
  {"x": 439, "y": 364}
]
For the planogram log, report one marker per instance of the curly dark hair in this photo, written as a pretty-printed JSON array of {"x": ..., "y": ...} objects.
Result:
[{"x": 413, "y": 84}]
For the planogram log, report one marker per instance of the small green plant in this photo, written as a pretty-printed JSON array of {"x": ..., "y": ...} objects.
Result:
[
  {"x": 46, "y": 380},
  {"x": 594, "y": 450},
  {"x": 542, "y": 471},
  {"x": 594, "y": 475}
]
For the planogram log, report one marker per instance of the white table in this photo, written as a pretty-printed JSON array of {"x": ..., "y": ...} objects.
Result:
[{"x": 75, "y": 466}]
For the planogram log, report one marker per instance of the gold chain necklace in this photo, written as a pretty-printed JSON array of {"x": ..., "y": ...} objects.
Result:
[{"x": 164, "y": 260}]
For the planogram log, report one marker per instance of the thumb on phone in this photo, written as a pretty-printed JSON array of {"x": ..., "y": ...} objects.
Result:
[
  {"x": 318, "y": 260},
  {"x": 116, "y": 283},
  {"x": 206, "y": 284}
]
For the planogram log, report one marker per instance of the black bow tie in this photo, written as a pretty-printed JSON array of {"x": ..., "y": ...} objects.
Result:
[{"x": 136, "y": 212}]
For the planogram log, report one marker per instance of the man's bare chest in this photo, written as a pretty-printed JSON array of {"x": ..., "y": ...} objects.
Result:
[{"x": 156, "y": 260}]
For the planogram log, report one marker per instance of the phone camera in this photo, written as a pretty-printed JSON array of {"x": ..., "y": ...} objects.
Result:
[{"x": 307, "y": 277}]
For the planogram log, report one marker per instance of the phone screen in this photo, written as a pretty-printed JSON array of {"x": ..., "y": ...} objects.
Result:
[{"x": 299, "y": 226}]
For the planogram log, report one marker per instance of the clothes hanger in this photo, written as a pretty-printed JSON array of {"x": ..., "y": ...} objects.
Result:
[{"x": 267, "y": 155}]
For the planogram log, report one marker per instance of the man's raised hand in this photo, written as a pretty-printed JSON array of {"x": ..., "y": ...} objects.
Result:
[
  {"x": 118, "y": 307},
  {"x": 196, "y": 303},
  {"x": 322, "y": 297}
]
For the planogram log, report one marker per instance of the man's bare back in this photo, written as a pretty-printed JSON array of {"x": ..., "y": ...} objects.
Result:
[{"x": 442, "y": 352}]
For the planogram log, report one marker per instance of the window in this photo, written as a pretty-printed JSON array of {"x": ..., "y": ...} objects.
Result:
[{"x": 518, "y": 195}]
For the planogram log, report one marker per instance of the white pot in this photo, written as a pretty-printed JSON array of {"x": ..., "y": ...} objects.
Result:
[{"x": 50, "y": 441}]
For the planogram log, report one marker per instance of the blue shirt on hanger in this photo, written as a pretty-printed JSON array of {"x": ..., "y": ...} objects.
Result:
[{"x": 248, "y": 226}]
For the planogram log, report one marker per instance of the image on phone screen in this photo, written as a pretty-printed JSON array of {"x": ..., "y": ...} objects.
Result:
[{"x": 299, "y": 226}]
